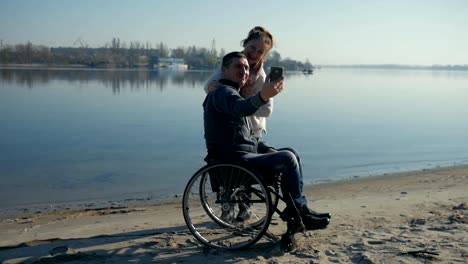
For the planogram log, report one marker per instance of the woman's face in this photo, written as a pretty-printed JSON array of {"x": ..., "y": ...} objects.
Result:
[{"x": 255, "y": 50}]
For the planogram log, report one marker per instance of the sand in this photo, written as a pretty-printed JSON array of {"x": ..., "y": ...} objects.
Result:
[{"x": 412, "y": 217}]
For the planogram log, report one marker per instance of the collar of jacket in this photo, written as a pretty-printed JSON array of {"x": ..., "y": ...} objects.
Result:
[{"x": 229, "y": 82}]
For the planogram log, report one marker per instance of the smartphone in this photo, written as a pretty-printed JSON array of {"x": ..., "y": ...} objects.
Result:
[{"x": 275, "y": 73}]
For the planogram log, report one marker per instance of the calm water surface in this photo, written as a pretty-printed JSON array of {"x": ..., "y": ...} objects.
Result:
[{"x": 77, "y": 135}]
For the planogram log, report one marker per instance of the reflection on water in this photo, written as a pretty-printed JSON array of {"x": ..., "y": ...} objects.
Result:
[
  {"x": 67, "y": 137},
  {"x": 115, "y": 79}
]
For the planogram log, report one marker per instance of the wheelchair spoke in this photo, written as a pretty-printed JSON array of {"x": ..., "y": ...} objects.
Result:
[{"x": 226, "y": 206}]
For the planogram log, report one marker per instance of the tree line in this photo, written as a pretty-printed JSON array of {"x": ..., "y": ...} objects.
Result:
[{"x": 126, "y": 55}]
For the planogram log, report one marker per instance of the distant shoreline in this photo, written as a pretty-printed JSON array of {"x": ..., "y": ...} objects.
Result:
[
  {"x": 401, "y": 67},
  {"x": 41, "y": 65},
  {"x": 351, "y": 66},
  {"x": 86, "y": 67}
]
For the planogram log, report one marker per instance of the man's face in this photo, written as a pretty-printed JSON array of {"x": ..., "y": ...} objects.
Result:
[{"x": 237, "y": 71}]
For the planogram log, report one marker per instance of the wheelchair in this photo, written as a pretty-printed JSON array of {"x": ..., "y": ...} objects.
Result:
[{"x": 217, "y": 193}]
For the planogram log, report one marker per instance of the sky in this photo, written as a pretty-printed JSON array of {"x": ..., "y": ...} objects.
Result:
[{"x": 325, "y": 32}]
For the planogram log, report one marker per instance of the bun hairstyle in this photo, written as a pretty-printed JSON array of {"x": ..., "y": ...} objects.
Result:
[{"x": 257, "y": 33}]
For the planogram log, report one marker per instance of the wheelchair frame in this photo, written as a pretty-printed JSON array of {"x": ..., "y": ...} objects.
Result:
[{"x": 211, "y": 200}]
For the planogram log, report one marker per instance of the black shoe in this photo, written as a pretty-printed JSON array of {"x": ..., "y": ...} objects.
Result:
[
  {"x": 303, "y": 219},
  {"x": 227, "y": 212},
  {"x": 308, "y": 211},
  {"x": 309, "y": 219},
  {"x": 287, "y": 214},
  {"x": 287, "y": 242},
  {"x": 295, "y": 225},
  {"x": 305, "y": 211},
  {"x": 313, "y": 223},
  {"x": 293, "y": 220},
  {"x": 244, "y": 212}
]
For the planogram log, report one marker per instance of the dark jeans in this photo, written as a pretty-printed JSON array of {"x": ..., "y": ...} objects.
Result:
[{"x": 285, "y": 161}]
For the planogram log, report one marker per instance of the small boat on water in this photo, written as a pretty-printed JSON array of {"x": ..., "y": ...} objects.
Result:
[{"x": 307, "y": 71}]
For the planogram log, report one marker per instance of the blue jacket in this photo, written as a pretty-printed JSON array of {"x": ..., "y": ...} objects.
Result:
[{"x": 228, "y": 133}]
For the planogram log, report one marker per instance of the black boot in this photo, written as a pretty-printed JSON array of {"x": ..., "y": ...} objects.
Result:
[
  {"x": 293, "y": 218},
  {"x": 312, "y": 222},
  {"x": 295, "y": 225},
  {"x": 309, "y": 211},
  {"x": 287, "y": 242}
]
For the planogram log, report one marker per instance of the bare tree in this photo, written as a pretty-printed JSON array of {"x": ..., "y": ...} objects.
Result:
[
  {"x": 163, "y": 51},
  {"x": 179, "y": 52}
]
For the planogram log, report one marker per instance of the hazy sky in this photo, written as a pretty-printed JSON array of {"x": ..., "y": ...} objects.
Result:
[{"x": 421, "y": 32}]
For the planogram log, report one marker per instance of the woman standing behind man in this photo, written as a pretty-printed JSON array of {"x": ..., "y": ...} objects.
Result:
[
  {"x": 258, "y": 43},
  {"x": 256, "y": 46}
]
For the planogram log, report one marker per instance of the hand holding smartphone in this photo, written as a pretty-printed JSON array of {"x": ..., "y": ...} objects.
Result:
[
  {"x": 270, "y": 89},
  {"x": 275, "y": 73}
]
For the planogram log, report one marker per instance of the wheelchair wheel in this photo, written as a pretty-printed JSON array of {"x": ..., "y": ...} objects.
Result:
[{"x": 226, "y": 206}]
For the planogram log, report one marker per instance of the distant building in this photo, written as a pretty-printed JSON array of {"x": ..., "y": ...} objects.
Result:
[
  {"x": 170, "y": 63},
  {"x": 68, "y": 50},
  {"x": 142, "y": 62}
]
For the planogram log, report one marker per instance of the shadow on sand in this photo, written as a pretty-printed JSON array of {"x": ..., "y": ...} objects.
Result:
[{"x": 164, "y": 245}]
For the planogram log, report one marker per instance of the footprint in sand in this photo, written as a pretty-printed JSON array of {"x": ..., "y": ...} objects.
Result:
[
  {"x": 375, "y": 242},
  {"x": 417, "y": 221},
  {"x": 58, "y": 250}
]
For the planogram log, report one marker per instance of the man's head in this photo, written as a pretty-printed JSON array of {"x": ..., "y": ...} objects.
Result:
[{"x": 235, "y": 67}]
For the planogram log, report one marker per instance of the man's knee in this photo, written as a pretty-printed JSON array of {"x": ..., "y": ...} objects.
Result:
[
  {"x": 289, "y": 157},
  {"x": 294, "y": 151}
]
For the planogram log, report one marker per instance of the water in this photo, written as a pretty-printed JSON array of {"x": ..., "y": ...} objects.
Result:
[{"x": 83, "y": 135}]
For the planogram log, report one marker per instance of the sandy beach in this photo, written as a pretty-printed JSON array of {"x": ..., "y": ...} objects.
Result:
[{"x": 411, "y": 217}]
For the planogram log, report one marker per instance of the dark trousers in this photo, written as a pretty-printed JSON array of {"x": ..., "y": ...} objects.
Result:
[{"x": 287, "y": 162}]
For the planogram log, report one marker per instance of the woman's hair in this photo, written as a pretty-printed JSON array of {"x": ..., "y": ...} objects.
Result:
[{"x": 256, "y": 33}]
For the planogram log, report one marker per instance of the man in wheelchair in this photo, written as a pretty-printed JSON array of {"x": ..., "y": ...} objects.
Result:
[{"x": 229, "y": 138}]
